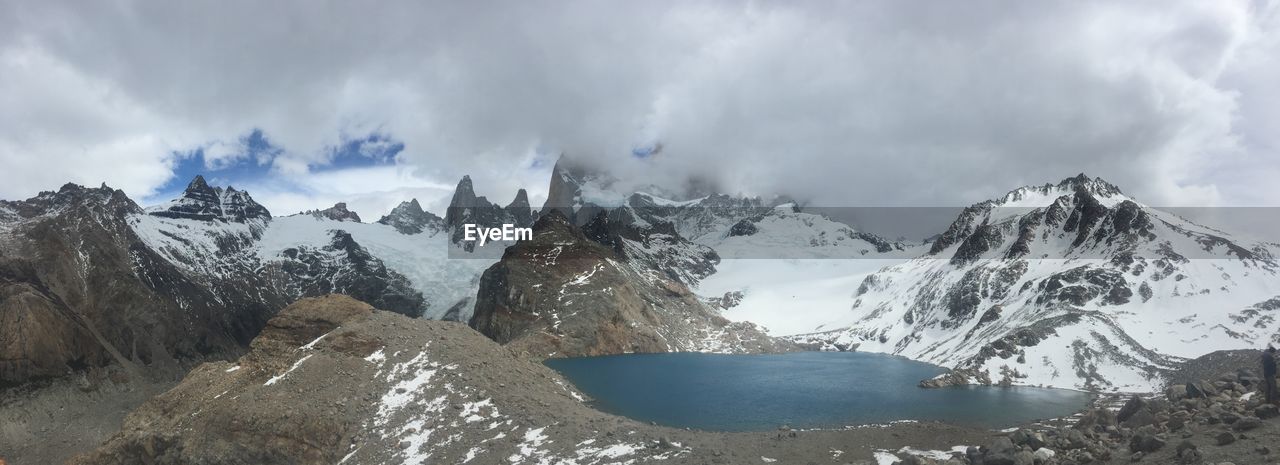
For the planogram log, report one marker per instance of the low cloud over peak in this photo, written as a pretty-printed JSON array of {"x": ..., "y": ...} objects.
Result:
[{"x": 867, "y": 103}]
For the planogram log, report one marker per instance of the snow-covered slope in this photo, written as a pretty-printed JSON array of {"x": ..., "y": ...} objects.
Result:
[
  {"x": 1072, "y": 285},
  {"x": 206, "y": 233},
  {"x": 788, "y": 232},
  {"x": 447, "y": 284},
  {"x": 788, "y": 296}
]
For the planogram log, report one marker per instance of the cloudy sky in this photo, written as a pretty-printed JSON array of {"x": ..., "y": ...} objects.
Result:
[{"x": 838, "y": 103}]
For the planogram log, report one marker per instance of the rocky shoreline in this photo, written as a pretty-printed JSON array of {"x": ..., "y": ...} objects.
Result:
[{"x": 1219, "y": 421}]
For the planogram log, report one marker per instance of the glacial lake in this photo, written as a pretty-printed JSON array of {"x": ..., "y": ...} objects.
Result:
[{"x": 803, "y": 390}]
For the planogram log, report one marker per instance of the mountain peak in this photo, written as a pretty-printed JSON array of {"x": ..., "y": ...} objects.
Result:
[
  {"x": 338, "y": 212},
  {"x": 197, "y": 183},
  {"x": 1045, "y": 194},
  {"x": 465, "y": 194},
  {"x": 200, "y": 201},
  {"x": 522, "y": 198},
  {"x": 1083, "y": 182},
  {"x": 410, "y": 218}
]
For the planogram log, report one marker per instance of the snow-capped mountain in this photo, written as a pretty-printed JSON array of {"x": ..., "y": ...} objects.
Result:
[
  {"x": 84, "y": 284},
  {"x": 447, "y": 286},
  {"x": 400, "y": 263},
  {"x": 410, "y": 218},
  {"x": 202, "y": 202},
  {"x": 736, "y": 227},
  {"x": 713, "y": 242},
  {"x": 1072, "y": 284}
]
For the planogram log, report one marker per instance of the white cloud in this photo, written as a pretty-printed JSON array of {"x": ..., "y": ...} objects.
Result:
[{"x": 855, "y": 103}]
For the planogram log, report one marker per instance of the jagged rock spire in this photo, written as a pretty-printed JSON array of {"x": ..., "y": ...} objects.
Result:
[{"x": 520, "y": 209}]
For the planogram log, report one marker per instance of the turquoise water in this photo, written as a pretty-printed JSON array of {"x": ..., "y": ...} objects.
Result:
[{"x": 803, "y": 390}]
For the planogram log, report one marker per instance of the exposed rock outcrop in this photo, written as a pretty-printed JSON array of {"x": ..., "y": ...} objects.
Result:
[
  {"x": 338, "y": 212},
  {"x": 562, "y": 294},
  {"x": 344, "y": 267},
  {"x": 410, "y": 218},
  {"x": 467, "y": 208}
]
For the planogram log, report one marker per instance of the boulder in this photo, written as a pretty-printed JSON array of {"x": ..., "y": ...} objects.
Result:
[
  {"x": 1200, "y": 390},
  {"x": 1075, "y": 439},
  {"x": 1025, "y": 437},
  {"x": 1229, "y": 417},
  {"x": 1142, "y": 442},
  {"x": 1247, "y": 424},
  {"x": 1266, "y": 411},
  {"x": 1002, "y": 444},
  {"x": 1224, "y": 438},
  {"x": 1185, "y": 446},
  {"x": 1139, "y": 418},
  {"x": 1176, "y": 392},
  {"x": 1131, "y": 407},
  {"x": 1096, "y": 417}
]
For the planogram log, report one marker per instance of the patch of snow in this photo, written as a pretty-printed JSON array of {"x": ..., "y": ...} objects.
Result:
[
  {"x": 885, "y": 457},
  {"x": 277, "y": 378}
]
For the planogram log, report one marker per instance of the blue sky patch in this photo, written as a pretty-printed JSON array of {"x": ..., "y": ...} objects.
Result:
[{"x": 251, "y": 158}]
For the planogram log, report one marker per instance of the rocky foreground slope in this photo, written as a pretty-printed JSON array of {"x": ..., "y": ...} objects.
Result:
[
  {"x": 331, "y": 380},
  {"x": 562, "y": 294}
]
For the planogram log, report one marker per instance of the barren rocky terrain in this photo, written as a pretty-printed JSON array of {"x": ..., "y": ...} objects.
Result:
[{"x": 333, "y": 381}]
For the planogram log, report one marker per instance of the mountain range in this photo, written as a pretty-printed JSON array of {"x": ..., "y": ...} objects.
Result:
[{"x": 1071, "y": 284}]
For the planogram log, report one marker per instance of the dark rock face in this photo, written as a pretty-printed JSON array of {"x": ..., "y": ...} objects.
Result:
[
  {"x": 654, "y": 246},
  {"x": 344, "y": 267},
  {"x": 410, "y": 218},
  {"x": 565, "y": 192},
  {"x": 202, "y": 202},
  {"x": 984, "y": 238},
  {"x": 519, "y": 209},
  {"x": 79, "y": 289},
  {"x": 467, "y": 208},
  {"x": 338, "y": 212},
  {"x": 562, "y": 294},
  {"x": 746, "y": 227},
  {"x": 1083, "y": 284}
]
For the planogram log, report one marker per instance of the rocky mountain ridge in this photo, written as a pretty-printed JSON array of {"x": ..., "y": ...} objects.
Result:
[
  {"x": 1072, "y": 285},
  {"x": 562, "y": 294},
  {"x": 338, "y": 212},
  {"x": 467, "y": 208},
  {"x": 410, "y": 218}
]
